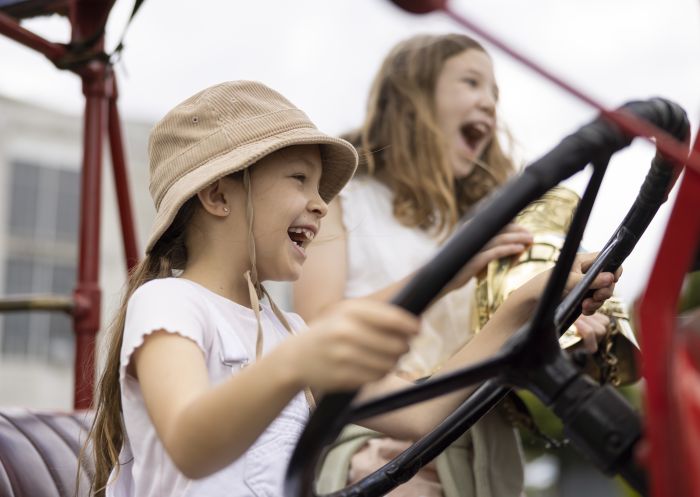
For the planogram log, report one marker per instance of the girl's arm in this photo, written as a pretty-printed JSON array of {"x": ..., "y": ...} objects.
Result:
[
  {"x": 204, "y": 428},
  {"x": 322, "y": 282},
  {"x": 412, "y": 422}
]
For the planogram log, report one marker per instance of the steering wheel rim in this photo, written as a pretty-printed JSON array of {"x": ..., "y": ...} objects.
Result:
[{"x": 595, "y": 142}]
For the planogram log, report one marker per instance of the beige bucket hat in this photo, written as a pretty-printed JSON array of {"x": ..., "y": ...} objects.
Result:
[{"x": 224, "y": 129}]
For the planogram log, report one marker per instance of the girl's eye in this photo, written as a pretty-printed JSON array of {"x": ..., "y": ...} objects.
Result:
[
  {"x": 300, "y": 177},
  {"x": 471, "y": 82}
]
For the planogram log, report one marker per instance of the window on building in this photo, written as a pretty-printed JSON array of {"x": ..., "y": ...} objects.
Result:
[{"x": 40, "y": 258}]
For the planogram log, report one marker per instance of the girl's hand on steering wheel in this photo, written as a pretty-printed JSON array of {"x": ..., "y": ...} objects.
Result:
[
  {"x": 592, "y": 329},
  {"x": 355, "y": 342},
  {"x": 603, "y": 285},
  {"x": 511, "y": 240},
  {"x": 593, "y": 325},
  {"x": 524, "y": 299}
]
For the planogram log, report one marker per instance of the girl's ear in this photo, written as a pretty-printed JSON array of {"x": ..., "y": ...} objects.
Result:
[{"x": 215, "y": 199}]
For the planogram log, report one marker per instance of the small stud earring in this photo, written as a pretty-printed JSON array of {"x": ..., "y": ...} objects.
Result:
[{"x": 226, "y": 209}]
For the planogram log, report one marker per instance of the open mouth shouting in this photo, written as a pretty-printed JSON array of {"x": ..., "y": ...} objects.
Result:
[
  {"x": 476, "y": 135},
  {"x": 301, "y": 237}
]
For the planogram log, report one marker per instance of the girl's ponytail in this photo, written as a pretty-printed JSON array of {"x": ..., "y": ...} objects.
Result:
[{"x": 107, "y": 431}]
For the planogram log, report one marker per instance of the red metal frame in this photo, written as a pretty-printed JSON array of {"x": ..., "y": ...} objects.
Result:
[
  {"x": 672, "y": 417},
  {"x": 84, "y": 56},
  {"x": 121, "y": 180},
  {"x": 686, "y": 398}
]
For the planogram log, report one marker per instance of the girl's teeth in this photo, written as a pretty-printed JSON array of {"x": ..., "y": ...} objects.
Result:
[{"x": 308, "y": 234}]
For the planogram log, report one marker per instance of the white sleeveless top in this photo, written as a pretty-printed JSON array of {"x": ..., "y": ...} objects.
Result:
[
  {"x": 226, "y": 334},
  {"x": 381, "y": 251}
]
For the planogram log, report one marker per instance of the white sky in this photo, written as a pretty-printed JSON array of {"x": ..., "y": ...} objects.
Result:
[{"x": 322, "y": 54}]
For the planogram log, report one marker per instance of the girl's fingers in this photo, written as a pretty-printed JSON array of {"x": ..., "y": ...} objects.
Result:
[
  {"x": 511, "y": 233},
  {"x": 587, "y": 333},
  {"x": 388, "y": 318},
  {"x": 589, "y": 306},
  {"x": 378, "y": 364},
  {"x": 600, "y": 322},
  {"x": 592, "y": 329},
  {"x": 603, "y": 294},
  {"x": 603, "y": 286},
  {"x": 523, "y": 238},
  {"x": 500, "y": 251},
  {"x": 603, "y": 280},
  {"x": 585, "y": 260},
  {"x": 387, "y": 345},
  {"x": 515, "y": 228}
]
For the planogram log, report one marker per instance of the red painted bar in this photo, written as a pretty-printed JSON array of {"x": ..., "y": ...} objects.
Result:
[
  {"x": 86, "y": 320},
  {"x": 121, "y": 179},
  {"x": 12, "y": 29},
  {"x": 657, "y": 313},
  {"x": 88, "y": 19},
  {"x": 686, "y": 399}
]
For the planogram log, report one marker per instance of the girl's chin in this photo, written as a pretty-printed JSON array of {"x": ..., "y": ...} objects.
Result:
[
  {"x": 290, "y": 274},
  {"x": 463, "y": 168}
]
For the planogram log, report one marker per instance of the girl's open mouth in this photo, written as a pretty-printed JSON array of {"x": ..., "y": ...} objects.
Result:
[
  {"x": 475, "y": 134},
  {"x": 301, "y": 237}
]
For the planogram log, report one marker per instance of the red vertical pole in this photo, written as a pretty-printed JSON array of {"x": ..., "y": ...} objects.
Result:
[
  {"x": 657, "y": 323},
  {"x": 88, "y": 19},
  {"x": 685, "y": 369},
  {"x": 86, "y": 319},
  {"x": 121, "y": 180}
]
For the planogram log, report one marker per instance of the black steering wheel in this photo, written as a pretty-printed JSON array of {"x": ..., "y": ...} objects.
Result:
[{"x": 600, "y": 423}]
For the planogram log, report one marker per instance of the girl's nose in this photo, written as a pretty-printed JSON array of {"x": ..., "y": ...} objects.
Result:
[
  {"x": 487, "y": 102},
  {"x": 318, "y": 206}
]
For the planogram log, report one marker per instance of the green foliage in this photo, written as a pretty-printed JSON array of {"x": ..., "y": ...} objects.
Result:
[
  {"x": 549, "y": 424},
  {"x": 625, "y": 489},
  {"x": 545, "y": 419},
  {"x": 552, "y": 426},
  {"x": 690, "y": 298}
]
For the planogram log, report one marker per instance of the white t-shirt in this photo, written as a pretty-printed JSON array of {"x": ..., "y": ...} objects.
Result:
[
  {"x": 381, "y": 251},
  {"x": 226, "y": 334}
]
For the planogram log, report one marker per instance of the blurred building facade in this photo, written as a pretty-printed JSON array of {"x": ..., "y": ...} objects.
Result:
[{"x": 40, "y": 161}]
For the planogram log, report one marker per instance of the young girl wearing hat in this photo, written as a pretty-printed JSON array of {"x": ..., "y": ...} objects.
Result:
[
  {"x": 428, "y": 152},
  {"x": 203, "y": 393}
]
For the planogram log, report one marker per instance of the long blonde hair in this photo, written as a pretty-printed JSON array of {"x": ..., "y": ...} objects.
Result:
[
  {"x": 400, "y": 137},
  {"x": 107, "y": 431}
]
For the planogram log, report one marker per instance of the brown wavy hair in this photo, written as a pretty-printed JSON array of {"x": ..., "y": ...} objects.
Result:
[
  {"x": 107, "y": 431},
  {"x": 401, "y": 142}
]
